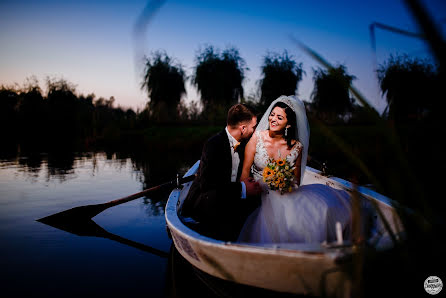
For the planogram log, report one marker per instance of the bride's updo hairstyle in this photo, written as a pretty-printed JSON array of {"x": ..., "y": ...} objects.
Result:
[{"x": 291, "y": 120}]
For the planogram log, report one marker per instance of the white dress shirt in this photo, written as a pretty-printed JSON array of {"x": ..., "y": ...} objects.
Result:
[
  {"x": 234, "y": 155},
  {"x": 235, "y": 162}
]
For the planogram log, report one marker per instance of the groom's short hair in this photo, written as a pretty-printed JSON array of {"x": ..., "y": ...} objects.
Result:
[{"x": 240, "y": 113}]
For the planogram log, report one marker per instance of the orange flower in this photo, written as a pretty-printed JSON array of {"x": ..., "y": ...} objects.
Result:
[
  {"x": 278, "y": 175},
  {"x": 281, "y": 162},
  {"x": 278, "y": 180},
  {"x": 267, "y": 173}
]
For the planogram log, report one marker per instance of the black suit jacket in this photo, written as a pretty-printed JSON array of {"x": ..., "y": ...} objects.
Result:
[{"x": 213, "y": 200}]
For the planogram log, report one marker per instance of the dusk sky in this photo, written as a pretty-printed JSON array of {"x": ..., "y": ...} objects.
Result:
[{"x": 91, "y": 43}]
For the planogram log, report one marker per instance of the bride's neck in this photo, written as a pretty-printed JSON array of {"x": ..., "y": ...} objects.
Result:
[{"x": 275, "y": 135}]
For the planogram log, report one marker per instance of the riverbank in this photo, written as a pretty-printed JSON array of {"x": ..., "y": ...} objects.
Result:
[{"x": 364, "y": 142}]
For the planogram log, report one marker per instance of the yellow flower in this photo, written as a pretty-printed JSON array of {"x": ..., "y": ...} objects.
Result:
[
  {"x": 267, "y": 173},
  {"x": 281, "y": 162},
  {"x": 278, "y": 175}
]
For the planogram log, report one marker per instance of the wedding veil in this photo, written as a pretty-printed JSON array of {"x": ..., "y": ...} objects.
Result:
[{"x": 303, "y": 129}]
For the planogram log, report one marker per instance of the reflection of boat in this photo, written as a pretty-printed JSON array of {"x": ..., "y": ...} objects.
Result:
[{"x": 314, "y": 269}]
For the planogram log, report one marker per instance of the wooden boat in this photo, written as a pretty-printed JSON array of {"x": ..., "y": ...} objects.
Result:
[{"x": 311, "y": 269}]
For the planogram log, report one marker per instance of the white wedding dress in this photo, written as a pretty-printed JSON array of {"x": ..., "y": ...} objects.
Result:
[{"x": 308, "y": 214}]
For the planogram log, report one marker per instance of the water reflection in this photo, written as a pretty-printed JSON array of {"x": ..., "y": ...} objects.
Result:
[
  {"x": 150, "y": 169},
  {"x": 31, "y": 162},
  {"x": 121, "y": 261},
  {"x": 60, "y": 165},
  {"x": 158, "y": 167}
]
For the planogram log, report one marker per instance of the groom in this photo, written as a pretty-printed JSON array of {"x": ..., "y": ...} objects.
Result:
[{"x": 217, "y": 199}]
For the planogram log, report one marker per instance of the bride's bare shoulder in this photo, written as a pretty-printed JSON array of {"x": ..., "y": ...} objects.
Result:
[
  {"x": 253, "y": 139},
  {"x": 252, "y": 144},
  {"x": 296, "y": 144}
]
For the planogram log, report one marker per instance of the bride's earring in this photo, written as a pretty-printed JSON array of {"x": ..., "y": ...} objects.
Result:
[{"x": 286, "y": 131}]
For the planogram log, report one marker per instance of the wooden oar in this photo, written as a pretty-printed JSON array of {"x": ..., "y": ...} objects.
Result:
[{"x": 85, "y": 213}]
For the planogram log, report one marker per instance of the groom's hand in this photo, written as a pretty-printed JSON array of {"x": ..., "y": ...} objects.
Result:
[{"x": 252, "y": 187}]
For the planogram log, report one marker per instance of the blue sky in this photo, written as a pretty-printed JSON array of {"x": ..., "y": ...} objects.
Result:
[{"x": 91, "y": 43}]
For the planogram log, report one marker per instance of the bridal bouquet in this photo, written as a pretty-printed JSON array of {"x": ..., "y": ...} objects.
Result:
[{"x": 279, "y": 175}]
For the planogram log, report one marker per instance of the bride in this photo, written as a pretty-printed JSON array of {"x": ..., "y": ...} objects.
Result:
[{"x": 308, "y": 213}]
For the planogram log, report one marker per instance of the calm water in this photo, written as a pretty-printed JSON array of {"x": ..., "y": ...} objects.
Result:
[{"x": 38, "y": 260}]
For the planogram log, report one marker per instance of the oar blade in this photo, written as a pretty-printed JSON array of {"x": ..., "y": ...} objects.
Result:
[
  {"x": 87, "y": 227},
  {"x": 76, "y": 213},
  {"x": 84, "y": 227},
  {"x": 77, "y": 220}
]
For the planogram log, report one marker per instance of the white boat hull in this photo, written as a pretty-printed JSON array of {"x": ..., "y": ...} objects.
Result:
[{"x": 312, "y": 269}]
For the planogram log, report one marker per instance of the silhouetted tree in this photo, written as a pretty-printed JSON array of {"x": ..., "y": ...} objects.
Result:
[
  {"x": 164, "y": 83},
  {"x": 85, "y": 116},
  {"x": 31, "y": 108},
  {"x": 410, "y": 87},
  {"x": 8, "y": 113},
  {"x": 189, "y": 111},
  {"x": 331, "y": 96},
  {"x": 218, "y": 77},
  {"x": 129, "y": 119},
  {"x": 61, "y": 102},
  {"x": 281, "y": 75},
  {"x": 105, "y": 116}
]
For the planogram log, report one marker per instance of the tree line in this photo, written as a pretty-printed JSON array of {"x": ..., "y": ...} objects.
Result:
[
  {"x": 409, "y": 84},
  {"x": 27, "y": 114}
]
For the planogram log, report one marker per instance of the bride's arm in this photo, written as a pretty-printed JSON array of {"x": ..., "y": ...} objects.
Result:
[
  {"x": 297, "y": 169},
  {"x": 250, "y": 150}
]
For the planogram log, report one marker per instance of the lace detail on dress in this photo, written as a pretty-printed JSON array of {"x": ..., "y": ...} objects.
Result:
[{"x": 261, "y": 156}]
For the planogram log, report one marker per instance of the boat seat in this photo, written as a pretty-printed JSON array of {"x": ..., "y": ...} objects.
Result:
[{"x": 190, "y": 223}]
